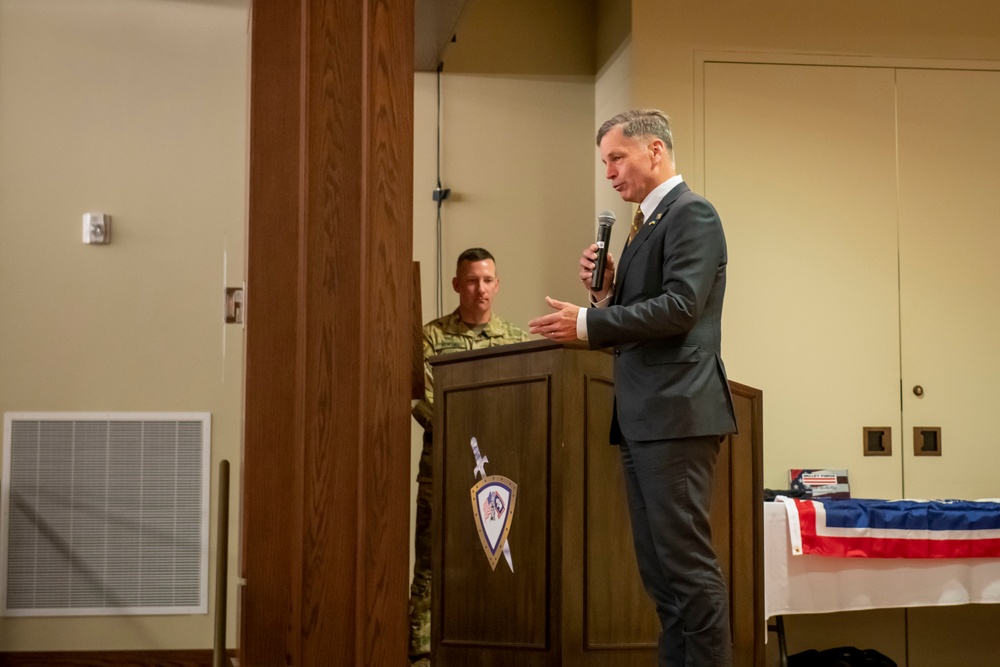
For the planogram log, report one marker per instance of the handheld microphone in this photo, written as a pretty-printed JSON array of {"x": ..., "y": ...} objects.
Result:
[{"x": 605, "y": 220}]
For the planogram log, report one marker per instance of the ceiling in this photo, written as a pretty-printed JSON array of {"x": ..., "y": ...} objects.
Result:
[{"x": 433, "y": 26}]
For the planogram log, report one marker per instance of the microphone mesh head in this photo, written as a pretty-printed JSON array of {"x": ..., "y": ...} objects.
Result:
[{"x": 606, "y": 218}]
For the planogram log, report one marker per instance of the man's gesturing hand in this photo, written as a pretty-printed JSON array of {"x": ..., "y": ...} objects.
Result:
[{"x": 560, "y": 325}]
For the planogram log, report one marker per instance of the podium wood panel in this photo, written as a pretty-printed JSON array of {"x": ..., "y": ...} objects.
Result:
[
  {"x": 541, "y": 414},
  {"x": 516, "y": 448}
]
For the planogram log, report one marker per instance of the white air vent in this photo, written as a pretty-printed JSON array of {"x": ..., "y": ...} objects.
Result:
[{"x": 105, "y": 514}]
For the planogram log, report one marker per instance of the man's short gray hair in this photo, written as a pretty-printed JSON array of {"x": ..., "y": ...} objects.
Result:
[{"x": 639, "y": 123}]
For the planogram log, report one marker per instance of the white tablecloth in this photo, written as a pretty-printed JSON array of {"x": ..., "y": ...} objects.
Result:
[{"x": 814, "y": 584}]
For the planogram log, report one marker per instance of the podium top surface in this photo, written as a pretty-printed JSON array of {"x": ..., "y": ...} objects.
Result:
[{"x": 539, "y": 345}]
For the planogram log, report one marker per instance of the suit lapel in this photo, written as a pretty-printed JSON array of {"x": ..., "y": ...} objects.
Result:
[{"x": 647, "y": 229}]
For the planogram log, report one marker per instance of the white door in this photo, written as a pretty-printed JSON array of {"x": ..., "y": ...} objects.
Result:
[
  {"x": 861, "y": 206},
  {"x": 949, "y": 209},
  {"x": 800, "y": 162},
  {"x": 949, "y": 187}
]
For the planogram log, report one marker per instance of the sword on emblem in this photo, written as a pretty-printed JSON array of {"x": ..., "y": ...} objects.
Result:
[
  {"x": 480, "y": 471},
  {"x": 481, "y": 461}
]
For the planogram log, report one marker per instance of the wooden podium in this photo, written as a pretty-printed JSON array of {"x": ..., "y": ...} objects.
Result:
[{"x": 540, "y": 413}]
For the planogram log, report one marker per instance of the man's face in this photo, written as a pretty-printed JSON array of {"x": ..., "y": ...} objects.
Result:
[
  {"x": 630, "y": 165},
  {"x": 476, "y": 284}
]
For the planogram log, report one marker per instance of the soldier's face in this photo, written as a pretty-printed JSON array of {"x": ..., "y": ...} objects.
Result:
[{"x": 476, "y": 284}]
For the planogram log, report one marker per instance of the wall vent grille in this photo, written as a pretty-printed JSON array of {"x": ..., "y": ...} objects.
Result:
[{"x": 105, "y": 514}]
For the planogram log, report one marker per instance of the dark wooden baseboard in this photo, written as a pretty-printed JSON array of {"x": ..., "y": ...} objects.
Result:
[{"x": 183, "y": 658}]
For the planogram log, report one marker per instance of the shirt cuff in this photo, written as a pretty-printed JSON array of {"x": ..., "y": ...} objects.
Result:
[
  {"x": 581, "y": 324},
  {"x": 603, "y": 302}
]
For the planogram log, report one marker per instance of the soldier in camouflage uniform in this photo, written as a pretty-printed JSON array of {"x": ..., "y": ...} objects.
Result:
[{"x": 471, "y": 326}]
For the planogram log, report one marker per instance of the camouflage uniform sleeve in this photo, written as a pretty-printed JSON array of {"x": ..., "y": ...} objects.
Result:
[
  {"x": 513, "y": 334},
  {"x": 423, "y": 410},
  {"x": 519, "y": 334}
]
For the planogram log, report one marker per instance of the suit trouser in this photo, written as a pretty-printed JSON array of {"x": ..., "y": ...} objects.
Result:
[{"x": 669, "y": 487}]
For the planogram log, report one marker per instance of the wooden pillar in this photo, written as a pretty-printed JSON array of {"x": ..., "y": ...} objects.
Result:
[{"x": 326, "y": 478}]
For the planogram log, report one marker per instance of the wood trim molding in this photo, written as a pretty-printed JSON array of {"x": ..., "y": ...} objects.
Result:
[
  {"x": 177, "y": 658},
  {"x": 326, "y": 475}
]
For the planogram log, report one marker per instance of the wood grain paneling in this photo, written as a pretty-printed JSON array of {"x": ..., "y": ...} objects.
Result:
[
  {"x": 517, "y": 447},
  {"x": 191, "y": 658},
  {"x": 617, "y": 615},
  {"x": 744, "y": 560},
  {"x": 541, "y": 413},
  {"x": 271, "y": 460},
  {"x": 326, "y": 446}
]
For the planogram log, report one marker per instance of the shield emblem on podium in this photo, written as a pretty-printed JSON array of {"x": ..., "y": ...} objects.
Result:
[{"x": 493, "y": 500}]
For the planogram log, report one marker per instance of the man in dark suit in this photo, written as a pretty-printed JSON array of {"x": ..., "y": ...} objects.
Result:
[{"x": 662, "y": 312}]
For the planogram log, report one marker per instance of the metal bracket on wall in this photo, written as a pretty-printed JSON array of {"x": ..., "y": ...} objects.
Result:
[{"x": 234, "y": 305}]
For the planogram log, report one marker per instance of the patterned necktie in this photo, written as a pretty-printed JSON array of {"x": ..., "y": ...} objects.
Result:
[{"x": 636, "y": 225}]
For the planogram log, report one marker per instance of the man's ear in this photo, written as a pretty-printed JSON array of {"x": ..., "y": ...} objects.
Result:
[
  {"x": 454, "y": 283},
  {"x": 658, "y": 149}
]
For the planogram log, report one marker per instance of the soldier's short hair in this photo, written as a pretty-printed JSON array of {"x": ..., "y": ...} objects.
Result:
[{"x": 475, "y": 255}]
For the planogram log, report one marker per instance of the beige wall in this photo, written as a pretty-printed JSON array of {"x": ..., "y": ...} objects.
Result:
[
  {"x": 516, "y": 150},
  {"x": 516, "y": 154},
  {"x": 671, "y": 41},
  {"x": 612, "y": 95},
  {"x": 613, "y": 28},
  {"x": 487, "y": 91},
  {"x": 524, "y": 37},
  {"x": 667, "y": 37},
  {"x": 136, "y": 108}
]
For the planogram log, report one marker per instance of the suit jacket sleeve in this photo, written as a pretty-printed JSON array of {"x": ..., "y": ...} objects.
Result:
[
  {"x": 665, "y": 324},
  {"x": 669, "y": 280}
]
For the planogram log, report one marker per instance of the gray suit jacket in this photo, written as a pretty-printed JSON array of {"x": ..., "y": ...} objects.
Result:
[{"x": 665, "y": 325}]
